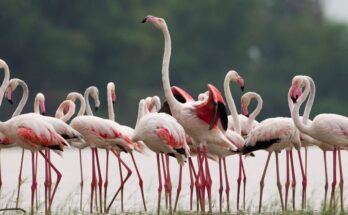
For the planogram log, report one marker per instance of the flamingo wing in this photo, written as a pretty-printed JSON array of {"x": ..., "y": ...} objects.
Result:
[
  {"x": 181, "y": 95},
  {"x": 213, "y": 110}
]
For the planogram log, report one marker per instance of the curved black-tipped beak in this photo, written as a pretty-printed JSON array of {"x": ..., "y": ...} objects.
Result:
[
  {"x": 96, "y": 109},
  {"x": 247, "y": 115},
  {"x": 43, "y": 113},
  {"x": 10, "y": 101},
  {"x": 113, "y": 102},
  {"x": 294, "y": 99},
  {"x": 242, "y": 88},
  {"x": 144, "y": 20}
]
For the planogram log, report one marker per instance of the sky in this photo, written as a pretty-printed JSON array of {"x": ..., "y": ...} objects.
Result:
[{"x": 336, "y": 9}]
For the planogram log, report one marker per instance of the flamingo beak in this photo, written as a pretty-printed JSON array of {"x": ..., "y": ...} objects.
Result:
[
  {"x": 241, "y": 84},
  {"x": 42, "y": 108},
  {"x": 295, "y": 93},
  {"x": 144, "y": 20},
  {"x": 245, "y": 111},
  {"x": 9, "y": 96},
  {"x": 149, "y": 18},
  {"x": 113, "y": 97},
  {"x": 96, "y": 109}
]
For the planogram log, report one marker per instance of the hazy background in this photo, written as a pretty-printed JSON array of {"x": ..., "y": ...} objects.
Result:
[{"x": 63, "y": 46}]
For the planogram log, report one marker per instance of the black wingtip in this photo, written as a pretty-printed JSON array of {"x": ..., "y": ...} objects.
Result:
[
  {"x": 144, "y": 20},
  {"x": 10, "y": 101}
]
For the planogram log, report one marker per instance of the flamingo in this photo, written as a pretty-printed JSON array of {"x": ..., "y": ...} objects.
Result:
[
  {"x": 201, "y": 120},
  {"x": 162, "y": 134},
  {"x": 111, "y": 99},
  {"x": 98, "y": 132},
  {"x": 274, "y": 135},
  {"x": 328, "y": 128},
  {"x": 247, "y": 121},
  {"x": 33, "y": 133}
]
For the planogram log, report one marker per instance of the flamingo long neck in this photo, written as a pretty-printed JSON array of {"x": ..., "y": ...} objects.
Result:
[
  {"x": 24, "y": 98},
  {"x": 310, "y": 100},
  {"x": 82, "y": 100},
  {"x": 257, "y": 110},
  {"x": 88, "y": 106},
  {"x": 111, "y": 112},
  {"x": 231, "y": 104},
  {"x": 141, "y": 111},
  {"x": 296, "y": 108},
  {"x": 67, "y": 116},
  {"x": 37, "y": 105},
  {"x": 173, "y": 103},
  {"x": 5, "y": 81}
]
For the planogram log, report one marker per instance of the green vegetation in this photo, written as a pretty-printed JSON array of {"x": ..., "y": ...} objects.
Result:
[{"x": 60, "y": 46}]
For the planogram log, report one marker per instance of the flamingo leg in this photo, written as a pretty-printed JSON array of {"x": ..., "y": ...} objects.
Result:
[
  {"x": 208, "y": 179},
  {"x": 244, "y": 181},
  {"x": 121, "y": 180},
  {"x": 341, "y": 177},
  {"x": 227, "y": 185},
  {"x": 159, "y": 184},
  {"x": 19, "y": 178},
  {"x": 191, "y": 182},
  {"x": 93, "y": 182},
  {"x": 140, "y": 180},
  {"x": 34, "y": 182},
  {"x": 306, "y": 156},
  {"x": 278, "y": 181},
  {"x": 0, "y": 173},
  {"x": 169, "y": 185},
  {"x": 36, "y": 194},
  {"x": 196, "y": 183},
  {"x": 239, "y": 181},
  {"x": 287, "y": 183},
  {"x": 200, "y": 179},
  {"x": 334, "y": 179},
  {"x": 165, "y": 180},
  {"x": 106, "y": 178},
  {"x": 81, "y": 175},
  {"x": 262, "y": 184},
  {"x": 178, "y": 190},
  {"x": 100, "y": 181},
  {"x": 129, "y": 173},
  {"x": 304, "y": 181},
  {"x": 326, "y": 186},
  {"x": 59, "y": 176},
  {"x": 293, "y": 184},
  {"x": 221, "y": 186}
]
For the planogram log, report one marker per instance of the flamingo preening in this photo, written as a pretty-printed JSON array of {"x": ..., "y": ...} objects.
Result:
[
  {"x": 328, "y": 128},
  {"x": 202, "y": 120}
]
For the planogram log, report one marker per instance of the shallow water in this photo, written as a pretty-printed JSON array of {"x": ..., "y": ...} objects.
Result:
[{"x": 67, "y": 197}]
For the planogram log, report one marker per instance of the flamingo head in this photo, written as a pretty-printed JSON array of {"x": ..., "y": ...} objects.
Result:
[
  {"x": 157, "y": 22},
  {"x": 95, "y": 96},
  {"x": 112, "y": 89},
  {"x": 296, "y": 88},
  {"x": 234, "y": 76},
  {"x": 40, "y": 101},
  {"x": 12, "y": 85}
]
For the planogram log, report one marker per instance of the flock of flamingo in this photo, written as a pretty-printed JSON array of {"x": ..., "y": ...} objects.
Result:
[{"x": 181, "y": 127}]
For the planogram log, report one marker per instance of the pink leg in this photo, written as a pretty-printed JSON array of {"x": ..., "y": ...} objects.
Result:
[
  {"x": 221, "y": 187},
  {"x": 191, "y": 183},
  {"x": 100, "y": 180},
  {"x": 121, "y": 180},
  {"x": 106, "y": 178},
  {"x": 263, "y": 179},
  {"x": 81, "y": 175},
  {"x": 341, "y": 177},
  {"x": 208, "y": 179},
  {"x": 178, "y": 190},
  {"x": 140, "y": 181},
  {"x": 196, "y": 183},
  {"x": 326, "y": 179},
  {"x": 93, "y": 183},
  {"x": 36, "y": 196},
  {"x": 227, "y": 186},
  {"x": 304, "y": 181},
  {"x": 20, "y": 178},
  {"x": 169, "y": 185},
  {"x": 244, "y": 181},
  {"x": 293, "y": 184},
  {"x": 239, "y": 179},
  {"x": 165, "y": 180},
  {"x": 0, "y": 173},
  {"x": 332, "y": 199},
  {"x": 287, "y": 183},
  {"x": 200, "y": 179},
  {"x": 278, "y": 181},
  {"x": 59, "y": 176},
  {"x": 34, "y": 183},
  {"x": 159, "y": 184},
  {"x": 129, "y": 173}
]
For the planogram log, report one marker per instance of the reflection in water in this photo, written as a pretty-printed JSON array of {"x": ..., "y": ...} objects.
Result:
[{"x": 68, "y": 194}]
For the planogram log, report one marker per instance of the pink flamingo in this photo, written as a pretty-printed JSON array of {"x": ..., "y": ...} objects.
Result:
[
  {"x": 111, "y": 99},
  {"x": 328, "y": 128},
  {"x": 162, "y": 134},
  {"x": 201, "y": 120},
  {"x": 33, "y": 133},
  {"x": 274, "y": 135}
]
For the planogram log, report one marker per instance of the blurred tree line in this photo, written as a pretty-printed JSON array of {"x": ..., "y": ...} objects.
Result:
[{"x": 62, "y": 46}]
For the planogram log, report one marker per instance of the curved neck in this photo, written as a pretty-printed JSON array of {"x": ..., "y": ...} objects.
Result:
[
  {"x": 231, "y": 104},
  {"x": 73, "y": 96},
  {"x": 310, "y": 100},
  {"x": 24, "y": 98},
  {"x": 257, "y": 110},
  {"x": 296, "y": 108},
  {"x": 5, "y": 81},
  {"x": 111, "y": 112},
  {"x": 88, "y": 106},
  {"x": 66, "y": 117},
  {"x": 173, "y": 103},
  {"x": 141, "y": 110},
  {"x": 37, "y": 105}
]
